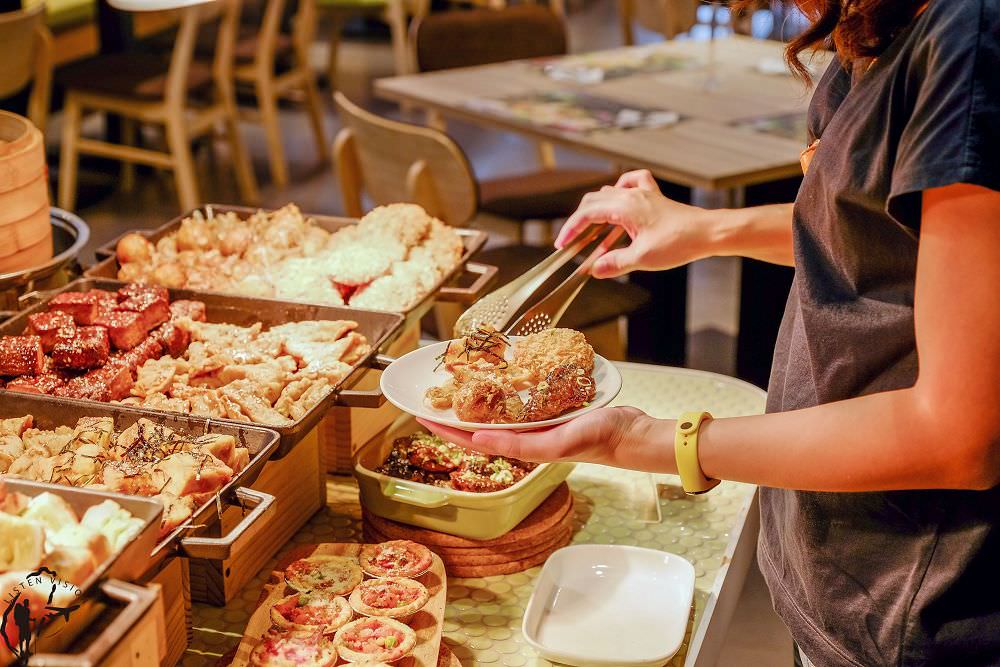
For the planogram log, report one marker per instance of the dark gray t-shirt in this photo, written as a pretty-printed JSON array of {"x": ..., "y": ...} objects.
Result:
[{"x": 898, "y": 578}]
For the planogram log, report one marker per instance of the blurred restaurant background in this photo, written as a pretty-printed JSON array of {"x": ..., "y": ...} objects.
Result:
[{"x": 150, "y": 108}]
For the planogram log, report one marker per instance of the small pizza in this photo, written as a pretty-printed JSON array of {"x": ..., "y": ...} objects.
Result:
[
  {"x": 374, "y": 640},
  {"x": 328, "y": 575},
  {"x": 396, "y": 558},
  {"x": 311, "y": 612},
  {"x": 294, "y": 649},
  {"x": 392, "y": 597}
]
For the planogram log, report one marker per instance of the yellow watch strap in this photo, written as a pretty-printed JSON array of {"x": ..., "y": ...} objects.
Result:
[{"x": 686, "y": 453}]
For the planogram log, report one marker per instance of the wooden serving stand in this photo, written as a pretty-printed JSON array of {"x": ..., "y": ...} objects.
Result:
[{"x": 427, "y": 622}]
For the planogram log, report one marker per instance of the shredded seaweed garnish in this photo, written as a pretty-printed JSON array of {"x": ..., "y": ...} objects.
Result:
[{"x": 484, "y": 340}]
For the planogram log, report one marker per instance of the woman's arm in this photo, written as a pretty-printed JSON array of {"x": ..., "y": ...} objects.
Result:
[
  {"x": 666, "y": 233},
  {"x": 944, "y": 432}
]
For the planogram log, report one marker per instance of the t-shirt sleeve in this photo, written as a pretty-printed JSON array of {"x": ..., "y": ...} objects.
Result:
[{"x": 953, "y": 132}]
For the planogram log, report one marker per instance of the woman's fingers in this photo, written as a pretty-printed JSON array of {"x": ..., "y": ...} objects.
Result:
[
  {"x": 452, "y": 435},
  {"x": 596, "y": 208},
  {"x": 641, "y": 178},
  {"x": 616, "y": 263}
]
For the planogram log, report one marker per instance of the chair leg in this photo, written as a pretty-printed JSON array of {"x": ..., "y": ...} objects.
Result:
[
  {"x": 69, "y": 157},
  {"x": 245, "y": 179},
  {"x": 336, "y": 27},
  {"x": 395, "y": 16},
  {"x": 267, "y": 101},
  {"x": 179, "y": 144},
  {"x": 314, "y": 106},
  {"x": 129, "y": 133}
]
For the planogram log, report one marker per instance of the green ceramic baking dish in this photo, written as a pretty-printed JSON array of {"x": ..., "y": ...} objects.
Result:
[{"x": 477, "y": 516}]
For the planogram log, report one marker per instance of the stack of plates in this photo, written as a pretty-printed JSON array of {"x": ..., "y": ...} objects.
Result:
[{"x": 527, "y": 545}]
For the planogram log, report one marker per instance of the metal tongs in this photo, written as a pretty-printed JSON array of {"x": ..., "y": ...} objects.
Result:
[{"x": 501, "y": 306}]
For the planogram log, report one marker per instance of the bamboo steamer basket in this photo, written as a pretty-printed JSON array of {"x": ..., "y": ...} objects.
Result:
[{"x": 25, "y": 228}]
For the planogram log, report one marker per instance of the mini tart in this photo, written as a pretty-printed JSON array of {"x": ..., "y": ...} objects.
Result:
[
  {"x": 391, "y": 597},
  {"x": 396, "y": 558},
  {"x": 374, "y": 640},
  {"x": 311, "y": 612},
  {"x": 329, "y": 575},
  {"x": 294, "y": 649}
]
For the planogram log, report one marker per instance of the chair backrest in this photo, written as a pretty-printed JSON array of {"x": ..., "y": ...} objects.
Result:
[
  {"x": 227, "y": 13},
  {"x": 26, "y": 53},
  {"x": 667, "y": 17},
  {"x": 462, "y": 38},
  {"x": 401, "y": 162}
]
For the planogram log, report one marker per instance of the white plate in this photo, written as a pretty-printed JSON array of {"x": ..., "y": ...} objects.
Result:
[
  {"x": 598, "y": 605},
  {"x": 406, "y": 380}
]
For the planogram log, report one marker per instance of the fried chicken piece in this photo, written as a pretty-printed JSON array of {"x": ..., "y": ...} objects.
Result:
[
  {"x": 543, "y": 352},
  {"x": 406, "y": 223},
  {"x": 486, "y": 347},
  {"x": 568, "y": 387},
  {"x": 244, "y": 393},
  {"x": 486, "y": 401}
]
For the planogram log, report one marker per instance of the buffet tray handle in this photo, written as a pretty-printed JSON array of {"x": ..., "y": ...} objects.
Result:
[
  {"x": 486, "y": 274},
  {"x": 366, "y": 398},
  {"x": 420, "y": 495},
  {"x": 138, "y": 600},
  {"x": 220, "y": 548}
]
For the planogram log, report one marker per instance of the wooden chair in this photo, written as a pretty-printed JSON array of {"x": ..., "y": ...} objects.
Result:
[
  {"x": 482, "y": 36},
  {"x": 150, "y": 89},
  {"x": 395, "y": 13},
  {"x": 257, "y": 53},
  {"x": 26, "y": 50},
  {"x": 393, "y": 161},
  {"x": 667, "y": 17}
]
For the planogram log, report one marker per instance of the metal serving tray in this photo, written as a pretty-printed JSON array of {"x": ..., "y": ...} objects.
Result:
[
  {"x": 50, "y": 412},
  {"x": 378, "y": 327},
  {"x": 107, "y": 265},
  {"x": 127, "y": 563}
]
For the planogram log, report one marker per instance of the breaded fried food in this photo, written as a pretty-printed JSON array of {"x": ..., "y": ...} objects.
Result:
[
  {"x": 566, "y": 388},
  {"x": 484, "y": 348},
  {"x": 487, "y": 401},
  {"x": 543, "y": 352},
  {"x": 408, "y": 223}
]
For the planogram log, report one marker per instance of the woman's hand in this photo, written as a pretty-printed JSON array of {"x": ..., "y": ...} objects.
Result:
[
  {"x": 664, "y": 233},
  {"x": 622, "y": 437}
]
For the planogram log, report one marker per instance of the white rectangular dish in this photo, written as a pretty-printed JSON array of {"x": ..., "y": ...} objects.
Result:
[{"x": 610, "y": 606}]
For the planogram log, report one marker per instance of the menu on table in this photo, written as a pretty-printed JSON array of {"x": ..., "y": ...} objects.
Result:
[{"x": 573, "y": 112}]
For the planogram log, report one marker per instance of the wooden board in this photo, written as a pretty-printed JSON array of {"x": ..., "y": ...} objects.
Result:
[
  {"x": 344, "y": 430},
  {"x": 298, "y": 482},
  {"x": 427, "y": 622},
  {"x": 172, "y": 575}
]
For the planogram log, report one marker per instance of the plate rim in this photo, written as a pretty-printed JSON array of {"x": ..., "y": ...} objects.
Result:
[{"x": 472, "y": 427}]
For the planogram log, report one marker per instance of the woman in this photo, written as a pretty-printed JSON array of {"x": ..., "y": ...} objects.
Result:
[{"x": 879, "y": 502}]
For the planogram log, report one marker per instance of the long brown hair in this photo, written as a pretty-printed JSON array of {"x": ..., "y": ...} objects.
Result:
[{"x": 858, "y": 29}]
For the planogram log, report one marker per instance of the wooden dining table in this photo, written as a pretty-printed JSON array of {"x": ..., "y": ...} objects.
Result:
[
  {"x": 725, "y": 92},
  {"x": 741, "y": 123}
]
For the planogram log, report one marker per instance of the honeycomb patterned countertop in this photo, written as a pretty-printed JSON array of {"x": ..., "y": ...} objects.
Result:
[{"x": 483, "y": 617}]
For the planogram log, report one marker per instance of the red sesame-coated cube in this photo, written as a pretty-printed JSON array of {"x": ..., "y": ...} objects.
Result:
[
  {"x": 21, "y": 355},
  {"x": 153, "y": 309},
  {"x": 194, "y": 310},
  {"x": 124, "y": 328},
  {"x": 174, "y": 339},
  {"x": 150, "y": 348},
  {"x": 111, "y": 382},
  {"x": 83, "y": 306},
  {"x": 47, "y": 325},
  {"x": 46, "y": 383},
  {"x": 87, "y": 347},
  {"x": 138, "y": 289}
]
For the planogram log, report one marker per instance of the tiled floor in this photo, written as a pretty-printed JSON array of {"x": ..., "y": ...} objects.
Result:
[{"x": 757, "y": 637}]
